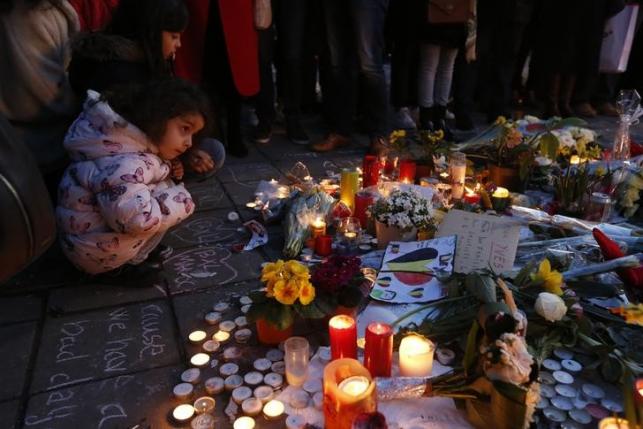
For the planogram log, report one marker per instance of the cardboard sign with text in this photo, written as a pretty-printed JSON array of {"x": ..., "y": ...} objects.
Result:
[{"x": 484, "y": 241}]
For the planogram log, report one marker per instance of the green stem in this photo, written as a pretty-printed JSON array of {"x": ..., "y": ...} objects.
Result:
[{"x": 424, "y": 307}]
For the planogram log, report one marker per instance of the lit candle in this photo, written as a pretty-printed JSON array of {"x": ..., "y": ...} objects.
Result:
[
  {"x": 363, "y": 201},
  {"x": 317, "y": 228},
  {"x": 200, "y": 359},
  {"x": 457, "y": 171},
  {"x": 378, "y": 352},
  {"x": 221, "y": 336},
  {"x": 350, "y": 235},
  {"x": 244, "y": 422},
  {"x": 348, "y": 392},
  {"x": 197, "y": 337},
  {"x": 407, "y": 171},
  {"x": 354, "y": 386},
  {"x": 323, "y": 245},
  {"x": 574, "y": 160},
  {"x": 500, "y": 199},
  {"x": 638, "y": 390},
  {"x": 204, "y": 404},
  {"x": 471, "y": 197},
  {"x": 273, "y": 409},
  {"x": 371, "y": 170},
  {"x": 343, "y": 337},
  {"x": 348, "y": 185},
  {"x": 183, "y": 413},
  {"x": 613, "y": 423},
  {"x": 251, "y": 205},
  {"x": 416, "y": 356}
]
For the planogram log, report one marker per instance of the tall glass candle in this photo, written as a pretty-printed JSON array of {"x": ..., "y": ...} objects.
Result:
[
  {"x": 348, "y": 186},
  {"x": 457, "y": 172},
  {"x": 323, "y": 245},
  {"x": 296, "y": 352},
  {"x": 370, "y": 170},
  {"x": 317, "y": 228},
  {"x": 362, "y": 201},
  {"x": 349, "y": 390},
  {"x": 416, "y": 356},
  {"x": 407, "y": 171},
  {"x": 378, "y": 352},
  {"x": 343, "y": 337}
]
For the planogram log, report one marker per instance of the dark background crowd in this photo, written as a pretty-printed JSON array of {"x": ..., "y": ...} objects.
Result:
[{"x": 292, "y": 58}]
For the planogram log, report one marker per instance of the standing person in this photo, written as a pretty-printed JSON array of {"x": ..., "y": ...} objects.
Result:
[
  {"x": 222, "y": 54},
  {"x": 139, "y": 44},
  {"x": 117, "y": 198},
  {"x": 438, "y": 50},
  {"x": 35, "y": 95},
  {"x": 355, "y": 34},
  {"x": 293, "y": 40},
  {"x": 265, "y": 100}
]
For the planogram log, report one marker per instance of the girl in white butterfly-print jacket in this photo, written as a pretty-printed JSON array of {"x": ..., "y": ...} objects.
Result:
[{"x": 117, "y": 198}]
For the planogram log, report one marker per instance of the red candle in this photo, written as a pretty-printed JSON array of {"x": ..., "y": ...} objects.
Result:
[
  {"x": 378, "y": 352},
  {"x": 389, "y": 165},
  {"x": 638, "y": 391},
  {"x": 362, "y": 201},
  {"x": 323, "y": 245},
  {"x": 471, "y": 198},
  {"x": 370, "y": 170},
  {"x": 343, "y": 337},
  {"x": 407, "y": 171}
]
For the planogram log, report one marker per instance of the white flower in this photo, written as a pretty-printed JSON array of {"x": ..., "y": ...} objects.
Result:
[
  {"x": 531, "y": 119},
  {"x": 551, "y": 307}
]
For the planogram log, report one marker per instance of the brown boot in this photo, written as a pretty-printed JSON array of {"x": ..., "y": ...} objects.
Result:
[
  {"x": 553, "y": 92},
  {"x": 566, "y": 92},
  {"x": 607, "y": 109},
  {"x": 331, "y": 142},
  {"x": 585, "y": 110}
]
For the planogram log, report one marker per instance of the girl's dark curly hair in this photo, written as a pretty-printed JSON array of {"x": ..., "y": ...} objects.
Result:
[
  {"x": 144, "y": 21},
  {"x": 151, "y": 105}
]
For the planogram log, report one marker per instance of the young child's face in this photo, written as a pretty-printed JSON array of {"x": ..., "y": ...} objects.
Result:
[
  {"x": 178, "y": 135},
  {"x": 171, "y": 42}
]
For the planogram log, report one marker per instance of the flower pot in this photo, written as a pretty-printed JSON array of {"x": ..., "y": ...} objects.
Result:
[
  {"x": 386, "y": 234},
  {"x": 269, "y": 334},
  {"x": 507, "y": 177}
]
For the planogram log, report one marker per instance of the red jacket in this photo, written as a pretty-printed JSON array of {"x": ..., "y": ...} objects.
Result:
[
  {"x": 94, "y": 14},
  {"x": 240, "y": 34}
]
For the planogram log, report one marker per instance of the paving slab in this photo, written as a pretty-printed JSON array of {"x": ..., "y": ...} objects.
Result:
[
  {"x": 204, "y": 228},
  {"x": 16, "y": 344},
  {"x": 94, "y": 345},
  {"x": 116, "y": 403},
  {"x": 210, "y": 266},
  {"x": 91, "y": 296},
  {"x": 208, "y": 195},
  {"x": 20, "y": 308},
  {"x": 251, "y": 171},
  {"x": 9, "y": 414}
]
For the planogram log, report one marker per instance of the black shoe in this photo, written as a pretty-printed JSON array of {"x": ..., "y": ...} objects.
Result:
[
  {"x": 440, "y": 123},
  {"x": 426, "y": 119},
  {"x": 263, "y": 132},
  {"x": 295, "y": 131}
]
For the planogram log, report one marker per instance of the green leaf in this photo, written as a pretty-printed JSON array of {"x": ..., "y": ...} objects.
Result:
[
  {"x": 310, "y": 311},
  {"x": 611, "y": 369},
  {"x": 471, "y": 351},
  {"x": 548, "y": 145},
  {"x": 481, "y": 286}
]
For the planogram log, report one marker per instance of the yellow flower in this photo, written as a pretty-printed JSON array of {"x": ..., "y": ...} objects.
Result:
[
  {"x": 632, "y": 314},
  {"x": 271, "y": 270},
  {"x": 439, "y": 134},
  {"x": 270, "y": 287},
  {"x": 500, "y": 120},
  {"x": 286, "y": 292},
  {"x": 551, "y": 280},
  {"x": 306, "y": 293},
  {"x": 297, "y": 269}
]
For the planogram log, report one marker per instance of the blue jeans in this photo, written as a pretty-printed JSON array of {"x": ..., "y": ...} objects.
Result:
[{"x": 355, "y": 33}]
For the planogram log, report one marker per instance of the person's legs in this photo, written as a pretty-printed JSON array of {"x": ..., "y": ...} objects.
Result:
[
  {"x": 428, "y": 66},
  {"x": 265, "y": 99},
  {"x": 464, "y": 84},
  {"x": 368, "y": 18},
  {"x": 442, "y": 89}
]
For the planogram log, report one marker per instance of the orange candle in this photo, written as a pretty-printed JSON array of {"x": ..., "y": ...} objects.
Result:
[{"x": 349, "y": 391}]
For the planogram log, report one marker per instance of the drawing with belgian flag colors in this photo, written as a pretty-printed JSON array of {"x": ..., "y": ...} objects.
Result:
[{"x": 411, "y": 272}]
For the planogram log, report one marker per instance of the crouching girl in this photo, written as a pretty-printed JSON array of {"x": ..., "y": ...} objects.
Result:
[{"x": 117, "y": 199}]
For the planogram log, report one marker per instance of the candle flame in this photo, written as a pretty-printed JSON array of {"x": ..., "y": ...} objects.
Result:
[
  {"x": 355, "y": 385},
  {"x": 341, "y": 322}
]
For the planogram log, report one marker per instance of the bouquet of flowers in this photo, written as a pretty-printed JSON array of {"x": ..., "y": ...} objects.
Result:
[
  {"x": 338, "y": 282},
  {"x": 288, "y": 292},
  {"x": 403, "y": 209},
  {"x": 629, "y": 192}
]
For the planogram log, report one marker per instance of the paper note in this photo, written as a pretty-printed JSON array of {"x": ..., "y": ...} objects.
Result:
[{"x": 484, "y": 241}]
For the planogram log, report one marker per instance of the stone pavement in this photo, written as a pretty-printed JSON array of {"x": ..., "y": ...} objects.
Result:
[{"x": 78, "y": 355}]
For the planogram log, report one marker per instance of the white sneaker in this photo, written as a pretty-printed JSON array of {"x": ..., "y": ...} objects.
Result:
[{"x": 402, "y": 120}]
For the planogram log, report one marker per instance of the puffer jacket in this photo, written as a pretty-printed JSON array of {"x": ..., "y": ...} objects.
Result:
[{"x": 116, "y": 195}]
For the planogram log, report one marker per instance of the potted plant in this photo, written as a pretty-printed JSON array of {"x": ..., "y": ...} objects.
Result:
[
  {"x": 399, "y": 215},
  {"x": 432, "y": 144},
  {"x": 338, "y": 283},
  {"x": 573, "y": 189},
  {"x": 288, "y": 293}
]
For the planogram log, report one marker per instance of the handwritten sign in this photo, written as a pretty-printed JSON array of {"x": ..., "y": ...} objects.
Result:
[
  {"x": 118, "y": 402},
  {"x": 105, "y": 343},
  {"x": 484, "y": 241}
]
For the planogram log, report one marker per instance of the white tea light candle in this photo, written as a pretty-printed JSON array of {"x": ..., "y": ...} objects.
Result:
[
  {"x": 200, "y": 359},
  {"x": 244, "y": 422},
  {"x": 183, "y": 413},
  {"x": 274, "y": 409},
  {"x": 196, "y": 337},
  {"x": 416, "y": 356}
]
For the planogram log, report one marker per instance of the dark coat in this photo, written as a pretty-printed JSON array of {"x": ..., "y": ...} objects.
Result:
[{"x": 101, "y": 61}]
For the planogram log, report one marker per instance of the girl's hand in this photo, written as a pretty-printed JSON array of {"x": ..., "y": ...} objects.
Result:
[
  {"x": 177, "y": 169},
  {"x": 200, "y": 161}
]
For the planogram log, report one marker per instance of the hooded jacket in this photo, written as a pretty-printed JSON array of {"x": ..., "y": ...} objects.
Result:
[
  {"x": 116, "y": 194},
  {"x": 101, "y": 60}
]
